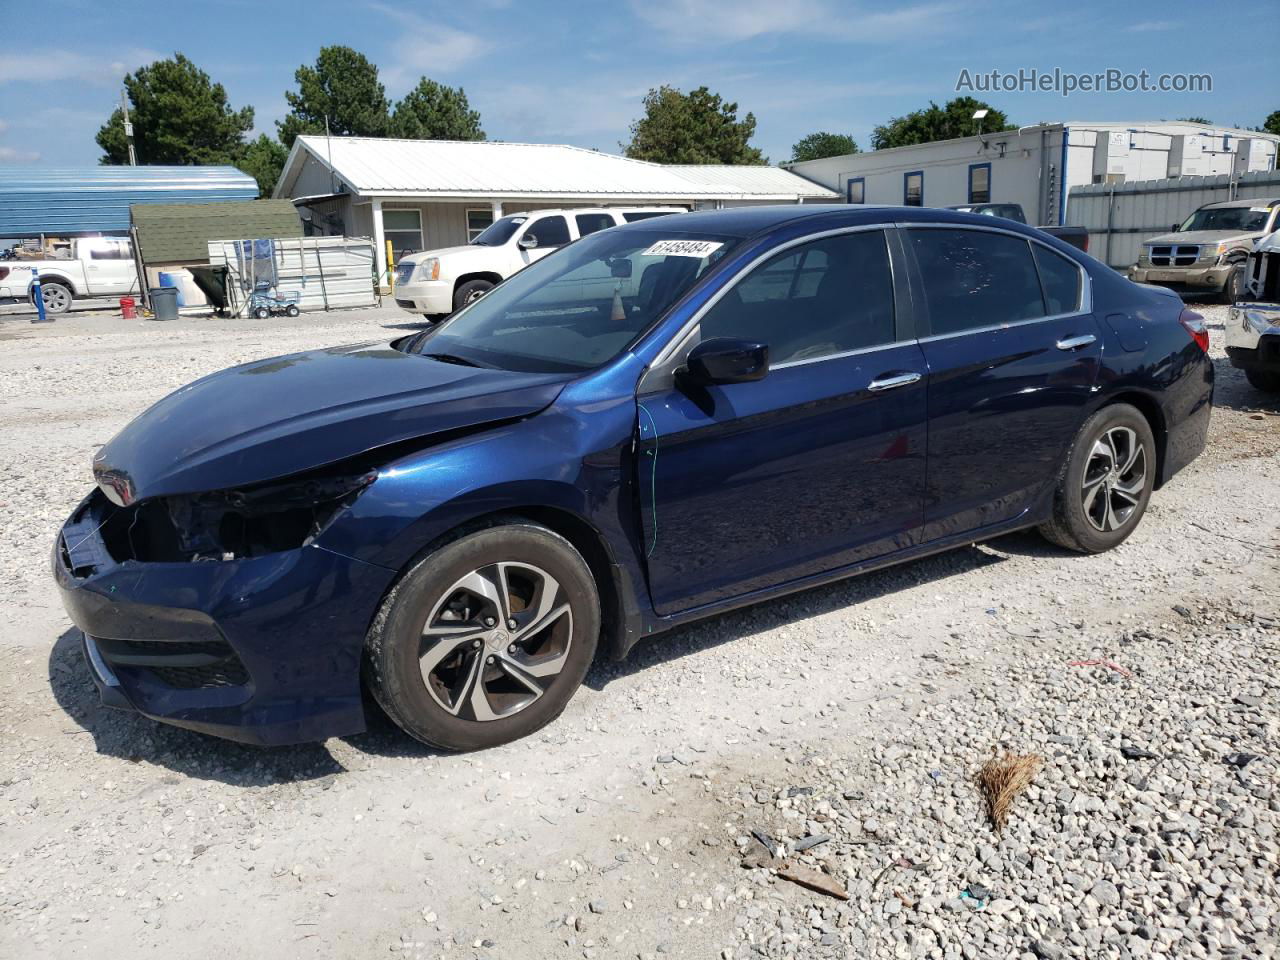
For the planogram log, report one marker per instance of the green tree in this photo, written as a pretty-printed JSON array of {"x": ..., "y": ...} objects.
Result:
[
  {"x": 343, "y": 88},
  {"x": 697, "y": 127},
  {"x": 953, "y": 119},
  {"x": 179, "y": 116},
  {"x": 1272, "y": 123},
  {"x": 818, "y": 145},
  {"x": 1195, "y": 120},
  {"x": 433, "y": 111},
  {"x": 263, "y": 159}
]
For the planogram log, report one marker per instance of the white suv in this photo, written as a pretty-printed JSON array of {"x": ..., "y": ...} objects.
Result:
[{"x": 437, "y": 282}]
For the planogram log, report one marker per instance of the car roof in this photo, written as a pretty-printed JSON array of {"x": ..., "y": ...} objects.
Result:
[
  {"x": 1250, "y": 202},
  {"x": 749, "y": 221}
]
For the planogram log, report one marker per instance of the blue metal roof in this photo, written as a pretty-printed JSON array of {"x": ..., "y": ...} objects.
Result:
[{"x": 61, "y": 201}]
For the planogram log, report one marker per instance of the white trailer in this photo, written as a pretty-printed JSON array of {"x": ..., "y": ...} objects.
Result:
[{"x": 1037, "y": 166}]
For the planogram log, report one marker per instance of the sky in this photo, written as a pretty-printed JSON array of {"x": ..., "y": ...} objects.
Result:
[{"x": 565, "y": 72}]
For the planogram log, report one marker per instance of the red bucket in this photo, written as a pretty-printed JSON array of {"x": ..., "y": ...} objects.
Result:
[{"x": 128, "y": 308}]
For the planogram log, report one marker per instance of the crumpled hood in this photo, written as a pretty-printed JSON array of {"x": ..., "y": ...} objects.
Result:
[{"x": 272, "y": 418}]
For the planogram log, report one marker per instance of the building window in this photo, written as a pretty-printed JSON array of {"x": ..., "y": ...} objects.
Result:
[
  {"x": 856, "y": 190},
  {"x": 404, "y": 229},
  {"x": 478, "y": 219},
  {"x": 979, "y": 183},
  {"x": 913, "y": 188}
]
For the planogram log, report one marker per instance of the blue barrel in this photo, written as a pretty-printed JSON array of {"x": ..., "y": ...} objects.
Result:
[{"x": 173, "y": 280}]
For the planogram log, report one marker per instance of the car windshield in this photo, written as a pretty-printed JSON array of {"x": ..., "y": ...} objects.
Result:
[
  {"x": 576, "y": 309},
  {"x": 1244, "y": 219},
  {"x": 499, "y": 232}
]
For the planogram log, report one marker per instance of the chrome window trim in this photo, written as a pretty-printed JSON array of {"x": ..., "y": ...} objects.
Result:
[
  {"x": 787, "y": 364},
  {"x": 676, "y": 343}
]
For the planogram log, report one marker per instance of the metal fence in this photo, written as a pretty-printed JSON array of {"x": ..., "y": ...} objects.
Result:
[
  {"x": 1120, "y": 216},
  {"x": 327, "y": 273}
]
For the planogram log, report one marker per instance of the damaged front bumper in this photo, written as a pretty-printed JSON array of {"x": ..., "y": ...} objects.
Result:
[
  {"x": 264, "y": 649},
  {"x": 1253, "y": 336}
]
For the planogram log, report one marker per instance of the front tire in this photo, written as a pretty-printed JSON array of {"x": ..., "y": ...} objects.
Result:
[
  {"x": 486, "y": 639},
  {"x": 1233, "y": 288},
  {"x": 1268, "y": 381},
  {"x": 1107, "y": 482},
  {"x": 469, "y": 292}
]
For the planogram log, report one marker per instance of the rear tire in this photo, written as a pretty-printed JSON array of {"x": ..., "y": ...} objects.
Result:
[
  {"x": 486, "y": 639},
  {"x": 56, "y": 296},
  {"x": 1106, "y": 483},
  {"x": 1268, "y": 381},
  {"x": 262, "y": 313},
  {"x": 470, "y": 291},
  {"x": 291, "y": 310}
]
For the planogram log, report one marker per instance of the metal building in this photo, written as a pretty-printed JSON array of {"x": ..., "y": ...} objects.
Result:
[
  {"x": 1036, "y": 166},
  {"x": 88, "y": 201},
  {"x": 426, "y": 194}
]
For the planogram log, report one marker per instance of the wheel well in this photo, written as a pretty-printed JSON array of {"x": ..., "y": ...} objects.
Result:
[
  {"x": 588, "y": 542},
  {"x": 1155, "y": 419},
  {"x": 584, "y": 538},
  {"x": 468, "y": 277},
  {"x": 61, "y": 281}
]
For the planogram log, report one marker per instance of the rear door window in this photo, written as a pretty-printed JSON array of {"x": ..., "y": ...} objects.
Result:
[
  {"x": 591, "y": 222},
  {"x": 549, "y": 232},
  {"x": 976, "y": 278}
]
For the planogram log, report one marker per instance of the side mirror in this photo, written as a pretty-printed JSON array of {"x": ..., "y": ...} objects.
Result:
[
  {"x": 620, "y": 268},
  {"x": 726, "y": 360},
  {"x": 1175, "y": 228},
  {"x": 527, "y": 242}
]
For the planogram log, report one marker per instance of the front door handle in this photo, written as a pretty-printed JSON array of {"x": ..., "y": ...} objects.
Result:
[
  {"x": 1075, "y": 343},
  {"x": 881, "y": 384}
]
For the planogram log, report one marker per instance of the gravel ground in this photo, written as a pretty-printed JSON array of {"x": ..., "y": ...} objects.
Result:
[{"x": 859, "y": 712}]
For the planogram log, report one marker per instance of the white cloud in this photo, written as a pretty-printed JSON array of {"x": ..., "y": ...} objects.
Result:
[
  {"x": 426, "y": 47},
  {"x": 1152, "y": 26},
  {"x": 14, "y": 155},
  {"x": 52, "y": 66},
  {"x": 703, "y": 21}
]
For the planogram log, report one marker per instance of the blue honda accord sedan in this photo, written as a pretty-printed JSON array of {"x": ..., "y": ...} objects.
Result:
[{"x": 657, "y": 423}]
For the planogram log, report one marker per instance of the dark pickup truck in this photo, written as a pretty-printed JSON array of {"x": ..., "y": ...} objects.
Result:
[{"x": 1078, "y": 237}]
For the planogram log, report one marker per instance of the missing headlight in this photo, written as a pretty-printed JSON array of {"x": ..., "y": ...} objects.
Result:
[{"x": 233, "y": 524}]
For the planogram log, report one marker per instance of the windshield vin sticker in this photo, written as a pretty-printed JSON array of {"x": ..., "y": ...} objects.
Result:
[{"x": 683, "y": 248}]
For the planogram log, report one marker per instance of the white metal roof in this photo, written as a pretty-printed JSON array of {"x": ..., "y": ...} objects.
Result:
[{"x": 450, "y": 168}]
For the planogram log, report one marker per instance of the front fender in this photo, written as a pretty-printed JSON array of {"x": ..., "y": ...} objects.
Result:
[{"x": 557, "y": 460}]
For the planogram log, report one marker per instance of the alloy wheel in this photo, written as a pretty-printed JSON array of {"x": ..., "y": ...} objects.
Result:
[
  {"x": 56, "y": 299},
  {"x": 1114, "y": 478},
  {"x": 473, "y": 296},
  {"x": 495, "y": 641}
]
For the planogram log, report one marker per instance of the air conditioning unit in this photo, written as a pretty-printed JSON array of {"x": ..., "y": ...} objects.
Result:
[
  {"x": 1187, "y": 156},
  {"x": 1110, "y": 155}
]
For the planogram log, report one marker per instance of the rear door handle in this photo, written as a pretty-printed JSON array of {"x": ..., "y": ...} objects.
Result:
[
  {"x": 881, "y": 384},
  {"x": 1075, "y": 343}
]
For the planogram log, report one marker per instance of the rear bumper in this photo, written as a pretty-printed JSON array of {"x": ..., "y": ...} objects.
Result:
[
  {"x": 1253, "y": 336},
  {"x": 264, "y": 650},
  {"x": 1184, "y": 279},
  {"x": 432, "y": 297}
]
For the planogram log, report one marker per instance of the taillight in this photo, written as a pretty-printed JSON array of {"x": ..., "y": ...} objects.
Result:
[
  {"x": 1194, "y": 324},
  {"x": 4, "y": 272}
]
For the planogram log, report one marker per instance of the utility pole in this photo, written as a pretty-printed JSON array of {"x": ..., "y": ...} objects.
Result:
[{"x": 128, "y": 127}]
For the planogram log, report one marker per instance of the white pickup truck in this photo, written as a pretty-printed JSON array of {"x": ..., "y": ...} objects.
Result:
[
  {"x": 98, "y": 267},
  {"x": 437, "y": 282}
]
